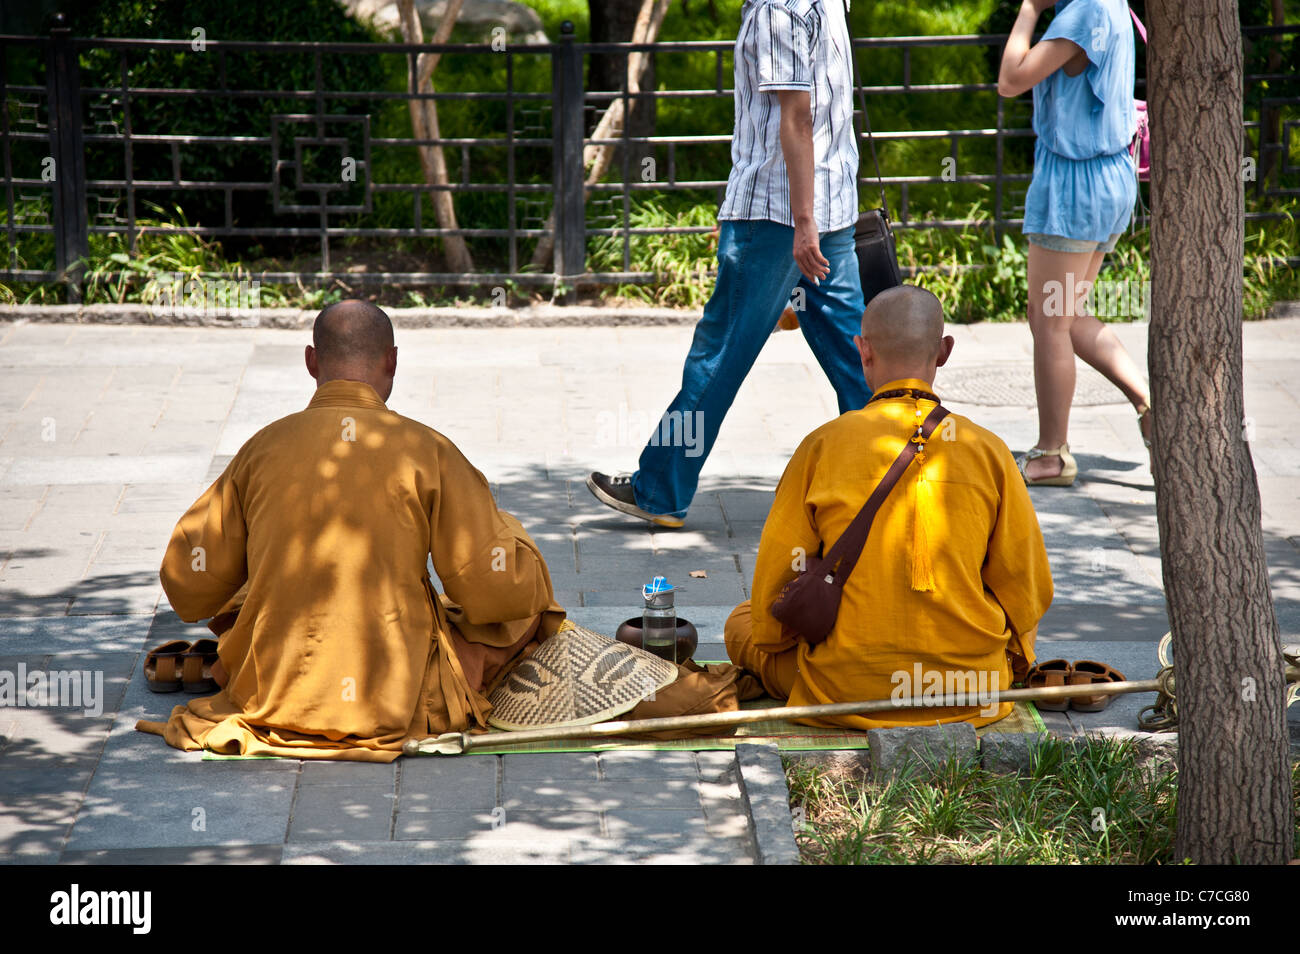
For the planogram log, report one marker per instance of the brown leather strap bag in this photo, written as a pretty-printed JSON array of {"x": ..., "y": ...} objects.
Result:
[{"x": 810, "y": 602}]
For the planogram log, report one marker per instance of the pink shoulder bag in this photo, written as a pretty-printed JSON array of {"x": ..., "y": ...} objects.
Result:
[{"x": 1140, "y": 148}]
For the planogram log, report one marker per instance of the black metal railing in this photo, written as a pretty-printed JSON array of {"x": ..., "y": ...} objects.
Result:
[{"x": 55, "y": 199}]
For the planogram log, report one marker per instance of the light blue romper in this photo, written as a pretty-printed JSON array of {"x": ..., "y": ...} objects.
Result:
[{"x": 1084, "y": 184}]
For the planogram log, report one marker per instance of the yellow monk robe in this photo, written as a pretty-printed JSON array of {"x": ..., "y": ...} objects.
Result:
[
  {"x": 953, "y": 575},
  {"x": 322, "y": 526}
]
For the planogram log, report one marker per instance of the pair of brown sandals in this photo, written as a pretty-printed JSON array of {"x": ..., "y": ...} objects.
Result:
[
  {"x": 1061, "y": 672},
  {"x": 179, "y": 665}
]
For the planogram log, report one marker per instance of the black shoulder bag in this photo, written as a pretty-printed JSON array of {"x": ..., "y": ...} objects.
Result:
[{"x": 873, "y": 240}]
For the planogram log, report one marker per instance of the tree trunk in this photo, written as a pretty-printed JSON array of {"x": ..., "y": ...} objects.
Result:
[
  {"x": 1234, "y": 798},
  {"x": 596, "y": 159},
  {"x": 424, "y": 124},
  {"x": 615, "y": 21}
]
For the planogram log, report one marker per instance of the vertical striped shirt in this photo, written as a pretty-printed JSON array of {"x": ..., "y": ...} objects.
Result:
[{"x": 797, "y": 45}]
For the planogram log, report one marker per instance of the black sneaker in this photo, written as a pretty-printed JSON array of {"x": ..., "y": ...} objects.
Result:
[{"x": 616, "y": 492}]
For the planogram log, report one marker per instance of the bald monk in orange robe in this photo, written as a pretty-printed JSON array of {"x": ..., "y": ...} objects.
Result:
[
  {"x": 946, "y": 597},
  {"x": 310, "y": 555}
]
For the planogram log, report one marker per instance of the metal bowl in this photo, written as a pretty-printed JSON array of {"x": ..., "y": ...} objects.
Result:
[{"x": 687, "y": 637}]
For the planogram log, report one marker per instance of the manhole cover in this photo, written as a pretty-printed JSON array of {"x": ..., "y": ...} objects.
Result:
[{"x": 1011, "y": 384}]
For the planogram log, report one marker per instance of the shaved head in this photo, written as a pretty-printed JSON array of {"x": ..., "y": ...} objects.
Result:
[
  {"x": 353, "y": 341},
  {"x": 352, "y": 331},
  {"x": 904, "y": 325},
  {"x": 902, "y": 336}
]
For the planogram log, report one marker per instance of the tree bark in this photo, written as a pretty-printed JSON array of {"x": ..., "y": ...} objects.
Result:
[
  {"x": 596, "y": 159},
  {"x": 615, "y": 21},
  {"x": 424, "y": 124},
  {"x": 1234, "y": 798}
]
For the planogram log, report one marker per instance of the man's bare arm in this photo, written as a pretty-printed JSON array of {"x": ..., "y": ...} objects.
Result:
[{"x": 797, "y": 147}]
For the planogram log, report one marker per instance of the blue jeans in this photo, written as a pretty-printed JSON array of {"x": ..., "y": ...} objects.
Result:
[{"x": 756, "y": 276}]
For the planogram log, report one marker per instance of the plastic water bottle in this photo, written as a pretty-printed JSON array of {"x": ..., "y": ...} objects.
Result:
[{"x": 659, "y": 620}]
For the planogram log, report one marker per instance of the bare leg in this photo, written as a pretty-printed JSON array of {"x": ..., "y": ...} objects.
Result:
[
  {"x": 1098, "y": 345},
  {"x": 1056, "y": 285}
]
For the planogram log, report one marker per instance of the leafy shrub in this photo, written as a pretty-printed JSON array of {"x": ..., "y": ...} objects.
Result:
[{"x": 210, "y": 114}]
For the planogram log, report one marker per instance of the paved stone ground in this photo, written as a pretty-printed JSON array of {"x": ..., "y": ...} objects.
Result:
[{"x": 108, "y": 433}]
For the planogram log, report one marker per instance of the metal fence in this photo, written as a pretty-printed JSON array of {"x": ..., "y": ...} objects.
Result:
[{"x": 528, "y": 175}]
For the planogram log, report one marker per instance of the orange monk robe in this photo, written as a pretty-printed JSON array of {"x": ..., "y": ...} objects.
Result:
[
  {"x": 953, "y": 575},
  {"x": 340, "y": 649}
]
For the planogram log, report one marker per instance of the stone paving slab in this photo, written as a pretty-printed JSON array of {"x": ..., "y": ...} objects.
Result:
[
  {"x": 648, "y": 765},
  {"x": 61, "y": 737},
  {"x": 333, "y": 812},
  {"x": 530, "y": 849},
  {"x": 470, "y": 785},
  {"x": 206, "y": 855},
  {"x": 569, "y": 794},
  {"x": 144, "y": 418},
  {"x": 378, "y": 775},
  {"x": 546, "y": 767},
  {"x": 456, "y": 825},
  {"x": 125, "y": 811}
]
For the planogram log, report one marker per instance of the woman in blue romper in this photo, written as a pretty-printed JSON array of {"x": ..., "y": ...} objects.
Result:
[{"x": 1079, "y": 203}]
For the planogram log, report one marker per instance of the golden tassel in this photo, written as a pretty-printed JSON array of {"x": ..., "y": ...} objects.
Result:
[{"x": 922, "y": 571}]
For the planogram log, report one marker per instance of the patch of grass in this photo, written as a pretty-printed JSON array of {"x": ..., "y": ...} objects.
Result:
[
  {"x": 1269, "y": 279},
  {"x": 116, "y": 274},
  {"x": 1090, "y": 804},
  {"x": 683, "y": 260},
  {"x": 978, "y": 275}
]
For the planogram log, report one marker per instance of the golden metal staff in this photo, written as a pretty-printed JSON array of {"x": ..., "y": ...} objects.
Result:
[{"x": 458, "y": 743}]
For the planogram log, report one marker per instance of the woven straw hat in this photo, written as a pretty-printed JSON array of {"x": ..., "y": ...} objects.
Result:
[{"x": 577, "y": 677}]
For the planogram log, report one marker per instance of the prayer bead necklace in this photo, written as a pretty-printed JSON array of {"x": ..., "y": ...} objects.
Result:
[
  {"x": 905, "y": 392},
  {"x": 918, "y": 394}
]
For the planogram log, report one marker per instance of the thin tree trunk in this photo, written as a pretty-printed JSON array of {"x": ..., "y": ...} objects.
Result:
[
  {"x": 424, "y": 124},
  {"x": 614, "y": 21},
  {"x": 1234, "y": 798},
  {"x": 596, "y": 159}
]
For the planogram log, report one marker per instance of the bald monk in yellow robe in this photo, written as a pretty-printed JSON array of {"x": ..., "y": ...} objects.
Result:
[
  {"x": 954, "y": 577},
  {"x": 310, "y": 554}
]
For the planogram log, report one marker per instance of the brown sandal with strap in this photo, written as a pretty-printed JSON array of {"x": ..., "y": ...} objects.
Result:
[
  {"x": 162, "y": 667},
  {"x": 1086, "y": 673},
  {"x": 1144, "y": 415},
  {"x": 196, "y": 674},
  {"x": 1053, "y": 672}
]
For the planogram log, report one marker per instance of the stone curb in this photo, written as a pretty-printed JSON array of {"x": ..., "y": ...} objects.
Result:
[
  {"x": 533, "y": 316},
  {"x": 1009, "y": 753},
  {"x": 468, "y": 316},
  {"x": 895, "y": 752},
  {"x": 767, "y": 802}
]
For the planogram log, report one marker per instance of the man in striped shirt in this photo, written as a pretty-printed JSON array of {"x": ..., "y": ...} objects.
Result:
[{"x": 786, "y": 235}]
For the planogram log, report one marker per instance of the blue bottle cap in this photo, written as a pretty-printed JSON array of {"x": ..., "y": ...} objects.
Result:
[{"x": 659, "y": 584}]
